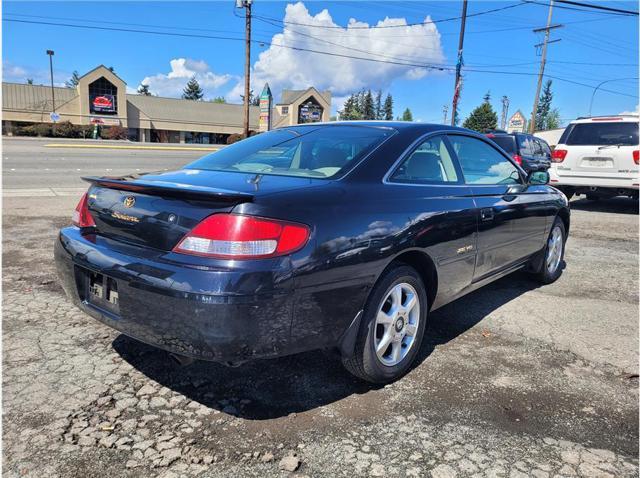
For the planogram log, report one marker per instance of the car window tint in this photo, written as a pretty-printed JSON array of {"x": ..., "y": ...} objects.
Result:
[
  {"x": 430, "y": 163},
  {"x": 308, "y": 151},
  {"x": 602, "y": 134},
  {"x": 481, "y": 163},
  {"x": 526, "y": 146},
  {"x": 506, "y": 142},
  {"x": 537, "y": 147}
]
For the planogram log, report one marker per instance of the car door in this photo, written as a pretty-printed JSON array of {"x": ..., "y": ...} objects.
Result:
[
  {"x": 430, "y": 185},
  {"x": 543, "y": 154},
  {"x": 511, "y": 219}
]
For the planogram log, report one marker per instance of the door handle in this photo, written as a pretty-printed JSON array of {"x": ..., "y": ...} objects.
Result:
[{"x": 486, "y": 214}]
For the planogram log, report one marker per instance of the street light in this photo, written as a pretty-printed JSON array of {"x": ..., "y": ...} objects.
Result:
[
  {"x": 602, "y": 83},
  {"x": 53, "y": 95}
]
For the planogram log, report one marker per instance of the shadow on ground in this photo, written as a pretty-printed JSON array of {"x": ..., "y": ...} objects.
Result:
[
  {"x": 619, "y": 205},
  {"x": 279, "y": 387}
]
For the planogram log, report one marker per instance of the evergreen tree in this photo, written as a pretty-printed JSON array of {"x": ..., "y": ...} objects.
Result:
[
  {"x": 192, "y": 91},
  {"x": 544, "y": 107},
  {"x": 351, "y": 109},
  {"x": 368, "y": 107},
  {"x": 388, "y": 108},
  {"x": 73, "y": 81},
  {"x": 378, "y": 106},
  {"x": 144, "y": 90},
  {"x": 553, "y": 119},
  {"x": 407, "y": 116},
  {"x": 483, "y": 118},
  {"x": 219, "y": 99},
  {"x": 29, "y": 81}
]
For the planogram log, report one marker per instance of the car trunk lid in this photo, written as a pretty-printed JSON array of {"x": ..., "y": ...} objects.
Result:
[{"x": 156, "y": 210}]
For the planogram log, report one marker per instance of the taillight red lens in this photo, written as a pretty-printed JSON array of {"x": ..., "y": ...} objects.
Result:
[
  {"x": 81, "y": 216},
  {"x": 558, "y": 155},
  {"x": 518, "y": 159},
  {"x": 636, "y": 156},
  {"x": 233, "y": 236}
]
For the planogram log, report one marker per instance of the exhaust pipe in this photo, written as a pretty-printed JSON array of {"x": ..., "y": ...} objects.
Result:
[{"x": 181, "y": 360}]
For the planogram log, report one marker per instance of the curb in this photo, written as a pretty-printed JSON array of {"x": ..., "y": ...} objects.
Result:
[{"x": 122, "y": 146}]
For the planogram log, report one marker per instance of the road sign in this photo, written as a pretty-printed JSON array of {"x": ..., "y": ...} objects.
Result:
[{"x": 55, "y": 117}]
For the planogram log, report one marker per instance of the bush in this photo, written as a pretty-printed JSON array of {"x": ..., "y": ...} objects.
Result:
[
  {"x": 114, "y": 132},
  {"x": 235, "y": 137},
  {"x": 68, "y": 130},
  {"x": 35, "y": 130}
]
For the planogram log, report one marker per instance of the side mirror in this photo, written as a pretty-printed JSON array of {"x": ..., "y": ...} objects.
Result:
[{"x": 538, "y": 177}]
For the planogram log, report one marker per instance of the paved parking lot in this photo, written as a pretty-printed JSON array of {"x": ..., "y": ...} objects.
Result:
[{"x": 514, "y": 379}]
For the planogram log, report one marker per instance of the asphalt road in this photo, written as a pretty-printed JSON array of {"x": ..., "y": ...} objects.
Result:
[
  {"x": 513, "y": 380},
  {"x": 29, "y": 164}
]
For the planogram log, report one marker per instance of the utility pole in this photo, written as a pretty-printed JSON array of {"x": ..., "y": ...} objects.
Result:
[
  {"x": 458, "y": 85},
  {"x": 505, "y": 112},
  {"x": 53, "y": 94},
  {"x": 246, "y": 4},
  {"x": 543, "y": 61},
  {"x": 445, "y": 110}
]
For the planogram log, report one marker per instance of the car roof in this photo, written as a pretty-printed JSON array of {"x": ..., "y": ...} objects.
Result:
[
  {"x": 606, "y": 119},
  {"x": 397, "y": 125}
]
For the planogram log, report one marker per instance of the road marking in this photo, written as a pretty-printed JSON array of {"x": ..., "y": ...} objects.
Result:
[
  {"x": 43, "y": 192},
  {"x": 122, "y": 146}
]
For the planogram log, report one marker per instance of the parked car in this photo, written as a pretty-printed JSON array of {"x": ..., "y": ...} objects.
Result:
[
  {"x": 598, "y": 156},
  {"x": 533, "y": 154},
  {"x": 343, "y": 235}
]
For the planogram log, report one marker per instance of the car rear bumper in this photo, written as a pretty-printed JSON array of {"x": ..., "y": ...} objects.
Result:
[
  {"x": 206, "y": 313},
  {"x": 558, "y": 178}
]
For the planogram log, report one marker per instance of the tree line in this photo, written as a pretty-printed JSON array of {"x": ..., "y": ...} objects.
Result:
[
  {"x": 364, "y": 105},
  {"x": 483, "y": 118}
]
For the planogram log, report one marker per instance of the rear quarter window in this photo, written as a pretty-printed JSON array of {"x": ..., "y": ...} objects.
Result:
[
  {"x": 507, "y": 143},
  {"x": 600, "y": 134}
]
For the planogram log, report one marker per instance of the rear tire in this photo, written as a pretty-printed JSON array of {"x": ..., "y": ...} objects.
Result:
[
  {"x": 552, "y": 263},
  {"x": 392, "y": 327}
]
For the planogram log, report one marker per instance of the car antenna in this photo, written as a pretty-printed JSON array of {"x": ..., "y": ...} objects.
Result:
[{"x": 256, "y": 180}]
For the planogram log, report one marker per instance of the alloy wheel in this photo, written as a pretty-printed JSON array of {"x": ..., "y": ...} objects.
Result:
[
  {"x": 397, "y": 324},
  {"x": 554, "y": 250}
]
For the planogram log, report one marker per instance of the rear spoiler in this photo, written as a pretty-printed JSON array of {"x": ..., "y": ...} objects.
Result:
[{"x": 169, "y": 189}]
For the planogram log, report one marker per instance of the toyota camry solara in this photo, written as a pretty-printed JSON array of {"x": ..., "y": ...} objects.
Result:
[{"x": 338, "y": 236}]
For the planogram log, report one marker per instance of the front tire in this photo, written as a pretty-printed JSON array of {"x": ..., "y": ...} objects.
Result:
[
  {"x": 551, "y": 268},
  {"x": 392, "y": 327}
]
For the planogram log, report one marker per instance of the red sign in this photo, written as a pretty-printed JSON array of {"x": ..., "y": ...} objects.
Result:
[{"x": 103, "y": 104}]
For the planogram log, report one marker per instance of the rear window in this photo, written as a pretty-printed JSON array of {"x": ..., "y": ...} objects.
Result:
[
  {"x": 599, "y": 134},
  {"x": 507, "y": 143},
  {"x": 315, "y": 152}
]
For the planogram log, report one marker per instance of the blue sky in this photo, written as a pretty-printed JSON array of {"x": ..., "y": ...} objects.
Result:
[{"x": 594, "y": 47}]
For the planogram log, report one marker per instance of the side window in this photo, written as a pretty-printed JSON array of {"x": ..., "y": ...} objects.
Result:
[
  {"x": 546, "y": 150},
  {"x": 430, "y": 163},
  {"x": 483, "y": 164},
  {"x": 526, "y": 146}
]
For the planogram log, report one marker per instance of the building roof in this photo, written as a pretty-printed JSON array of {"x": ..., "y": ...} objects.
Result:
[
  {"x": 103, "y": 68},
  {"x": 17, "y": 96},
  {"x": 290, "y": 96},
  {"x": 194, "y": 112}
]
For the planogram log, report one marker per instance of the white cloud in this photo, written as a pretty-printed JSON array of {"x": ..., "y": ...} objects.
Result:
[
  {"x": 634, "y": 112},
  {"x": 288, "y": 68},
  {"x": 182, "y": 69},
  {"x": 14, "y": 73}
]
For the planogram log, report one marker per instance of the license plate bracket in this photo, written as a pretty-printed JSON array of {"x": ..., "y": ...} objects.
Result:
[{"x": 102, "y": 291}]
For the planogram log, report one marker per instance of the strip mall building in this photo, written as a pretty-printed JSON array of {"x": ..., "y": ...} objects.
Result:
[{"x": 100, "y": 98}]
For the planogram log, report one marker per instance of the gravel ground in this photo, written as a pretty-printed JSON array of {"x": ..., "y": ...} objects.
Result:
[{"x": 514, "y": 380}]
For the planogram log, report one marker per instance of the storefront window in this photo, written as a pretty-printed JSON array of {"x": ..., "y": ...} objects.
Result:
[{"x": 103, "y": 97}]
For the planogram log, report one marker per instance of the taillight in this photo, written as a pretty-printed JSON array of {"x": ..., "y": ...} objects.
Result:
[
  {"x": 81, "y": 216},
  {"x": 558, "y": 155},
  {"x": 518, "y": 159},
  {"x": 233, "y": 236},
  {"x": 636, "y": 156}
]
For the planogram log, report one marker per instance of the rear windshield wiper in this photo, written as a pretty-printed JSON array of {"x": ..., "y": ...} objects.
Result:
[{"x": 617, "y": 145}]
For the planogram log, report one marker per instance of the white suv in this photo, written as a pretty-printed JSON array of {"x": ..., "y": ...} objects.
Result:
[{"x": 597, "y": 156}]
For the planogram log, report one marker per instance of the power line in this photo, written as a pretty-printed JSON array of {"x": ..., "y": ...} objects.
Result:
[
  {"x": 309, "y": 50},
  {"x": 598, "y": 7},
  {"x": 350, "y": 27}
]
